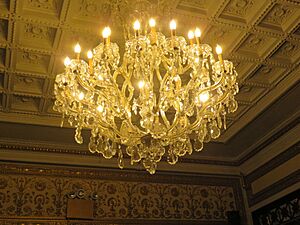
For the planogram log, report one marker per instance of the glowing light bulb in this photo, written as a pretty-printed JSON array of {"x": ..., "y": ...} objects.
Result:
[
  {"x": 100, "y": 108},
  {"x": 219, "y": 50},
  {"x": 67, "y": 61},
  {"x": 136, "y": 25},
  {"x": 141, "y": 84},
  {"x": 152, "y": 22},
  {"x": 106, "y": 32},
  {"x": 173, "y": 25},
  {"x": 191, "y": 34},
  {"x": 81, "y": 96},
  {"x": 77, "y": 48},
  {"x": 89, "y": 54},
  {"x": 203, "y": 97},
  {"x": 197, "y": 32}
]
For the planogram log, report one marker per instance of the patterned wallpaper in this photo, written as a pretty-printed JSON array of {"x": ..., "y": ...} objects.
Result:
[{"x": 43, "y": 193}]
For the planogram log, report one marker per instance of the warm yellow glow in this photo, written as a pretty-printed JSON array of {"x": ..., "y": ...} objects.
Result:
[
  {"x": 191, "y": 34},
  {"x": 136, "y": 25},
  {"x": 219, "y": 50},
  {"x": 106, "y": 32},
  {"x": 197, "y": 32},
  {"x": 81, "y": 96},
  {"x": 173, "y": 25},
  {"x": 139, "y": 103},
  {"x": 89, "y": 54},
  {"x": 141, "y": 84},
  {"x": 100, "y": 108},
  {"x": 152, "y": 22},
  {"x": 67, "y": 61},
  {"x": 77, "y": 48},
  {"x": 203, "y": 97}
]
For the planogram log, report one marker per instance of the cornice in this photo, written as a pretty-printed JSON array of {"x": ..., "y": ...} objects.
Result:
[
  {"x": 34, "y": 146},
  {"x": 273, "y": 163},
  {"x": 268, "y": 141},
  {"x": 278, "y": 186},
  {"x": 117, "y": 174}
]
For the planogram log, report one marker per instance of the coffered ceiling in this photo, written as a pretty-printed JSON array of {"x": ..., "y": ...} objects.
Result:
[{"x": 261, "y": 37}]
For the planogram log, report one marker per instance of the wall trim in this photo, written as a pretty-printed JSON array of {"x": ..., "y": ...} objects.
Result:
[
  {"x": 277, "y": 186},
  {"x": 30, "y": 221}
]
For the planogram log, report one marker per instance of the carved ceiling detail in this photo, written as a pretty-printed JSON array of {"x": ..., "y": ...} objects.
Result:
[
  {"x": 279, "y": 14},
  {"x": 238, "y": 7}
]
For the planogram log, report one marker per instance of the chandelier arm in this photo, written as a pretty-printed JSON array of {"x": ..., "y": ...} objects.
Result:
[
  {"x": 196, "y": 123},
  {"x": 186, "y": 68},
  {"x": 89, "y": 88},
  {"x": 175, "y": 122},
  {"x": 163, "y": 115},
  {"x": 127, "y": 83},
  {"x": 165, "y": 119},
  {"x": 102, "y": 123},
  {"x": 158, "y": 75},
  {"x": 199, "y": 118},
  {"x": 166, "y": 62},
  {"x": 214, "y": 86}
]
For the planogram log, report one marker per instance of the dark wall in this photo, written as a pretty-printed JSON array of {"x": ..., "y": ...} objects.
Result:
[{"x": 284, "y": 211}]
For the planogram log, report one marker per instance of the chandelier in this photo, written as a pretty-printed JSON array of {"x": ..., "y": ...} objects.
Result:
[{"x": 164, "y": 99}]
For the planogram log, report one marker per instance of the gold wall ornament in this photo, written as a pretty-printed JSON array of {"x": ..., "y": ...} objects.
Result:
[
  {"x": 41, "y": 192},
  {"x": 163, "y": 94}
]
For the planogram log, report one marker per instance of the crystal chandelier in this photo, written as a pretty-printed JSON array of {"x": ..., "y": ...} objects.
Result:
[{"x": 165, "y": 98}]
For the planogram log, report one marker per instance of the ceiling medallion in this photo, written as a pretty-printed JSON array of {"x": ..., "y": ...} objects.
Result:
[{"x": 166, "y": 97}]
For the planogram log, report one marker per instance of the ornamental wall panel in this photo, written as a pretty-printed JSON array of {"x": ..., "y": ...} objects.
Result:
[{"x": 36, "y": 192}]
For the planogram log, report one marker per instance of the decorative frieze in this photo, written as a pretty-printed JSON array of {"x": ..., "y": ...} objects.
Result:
[{"x": 45, "y": 193}]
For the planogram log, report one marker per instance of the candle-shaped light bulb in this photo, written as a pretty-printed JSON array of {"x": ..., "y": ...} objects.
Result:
[
  {"x": 197, "y": 32},
  {"x": 90, "y": 54},
  {"x": 153, "y": 35},
  {"x": 136, "y": 25},
  {"x": 106, "y": 32},
  {"x": 173, "y": 29},
  {"x": 77, "y": 48},
  {"x": 173, "y": 25},
  {"x": 90, "y": 57},
  {"x": 198, "y": 35},
  {"x": 219, "y": 50},
  {"x": 191, "y": 36},
  {"x": 152, "y": 22},
  {"x": 67, "y": 61}
]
